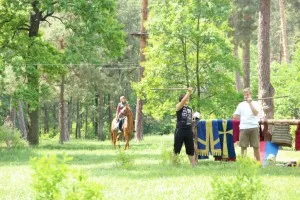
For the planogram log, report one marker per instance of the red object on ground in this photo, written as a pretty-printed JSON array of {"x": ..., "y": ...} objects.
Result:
[
  {"x": 297, "y": 138},
  {"x": 236, "y": 130}
]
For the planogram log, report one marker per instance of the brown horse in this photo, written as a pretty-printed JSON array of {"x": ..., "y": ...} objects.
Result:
[{"x": 127, "y": 128}]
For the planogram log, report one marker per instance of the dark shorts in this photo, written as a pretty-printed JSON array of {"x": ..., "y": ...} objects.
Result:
[
  {"x": 249, "y": 136},
  {"x": 184, "y": 136}
]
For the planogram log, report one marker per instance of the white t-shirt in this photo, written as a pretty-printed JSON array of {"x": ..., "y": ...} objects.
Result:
[{"x": 247, "y": 118}]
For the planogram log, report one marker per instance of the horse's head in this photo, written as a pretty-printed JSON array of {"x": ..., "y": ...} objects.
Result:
[{"x": 126, "y": 110}]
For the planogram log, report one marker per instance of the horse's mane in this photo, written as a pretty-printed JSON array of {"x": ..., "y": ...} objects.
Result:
[{"x": 130, "y": 120}]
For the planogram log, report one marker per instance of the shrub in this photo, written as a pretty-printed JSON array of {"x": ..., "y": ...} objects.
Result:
[
  {"x": 53, "y": 179},
  {"x": 168, "y": 157},
  {"x": 246, "y": 185},
  {"x": 12, "y": 138},
  {"x": 124, "y": 160},
  {"x": 76, "y": 187}
]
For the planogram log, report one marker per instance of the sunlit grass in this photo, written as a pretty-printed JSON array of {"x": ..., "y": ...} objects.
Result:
[{"x": 148, "y": 178}]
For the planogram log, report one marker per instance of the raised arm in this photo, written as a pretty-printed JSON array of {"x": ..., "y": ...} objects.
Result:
[{"x": 184, "y": 99}]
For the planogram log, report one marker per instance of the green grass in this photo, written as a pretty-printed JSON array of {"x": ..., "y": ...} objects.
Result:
[{"x": 148, "y": 178}]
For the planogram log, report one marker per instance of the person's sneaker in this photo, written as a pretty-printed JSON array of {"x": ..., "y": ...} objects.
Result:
[{"x": 119, "y": 131}]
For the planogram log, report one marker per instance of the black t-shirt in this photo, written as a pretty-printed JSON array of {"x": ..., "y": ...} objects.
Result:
[{"x": 184, "y": 117}]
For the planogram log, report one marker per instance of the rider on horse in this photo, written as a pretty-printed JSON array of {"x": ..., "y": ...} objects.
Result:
[{"x": 119, "y": 116}]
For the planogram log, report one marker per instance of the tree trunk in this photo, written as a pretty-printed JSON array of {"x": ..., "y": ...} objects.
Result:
[
  {"x": 238, "y": 81},
  {"x": 143, "y": 41},
  {"x": 54, "y": 113},
  {"x": 198, "y": 66},
  {"x": 110, "y": 115},
  {"x": 46, "y": 118},
  {"x": 101, "y": 118},
  {"x": 70, "y": 117},
  {"x": 78, "y": 120},
  {"x": 33, "y": 130},
  {"x": 265, "y": 87},
  {"x": 21, "y": 121},
  {"x": 33, "y": 79},
  {"x": 63, "y": 113},
  {"x": 246, "y": 63},
  {"x": 286, "y": 56},
  {"x": 86, "y": 118},
  {"x": 12, "y": 113},
  {"x": 96, "y": 119},
  {"x": 33, "y": 111}
]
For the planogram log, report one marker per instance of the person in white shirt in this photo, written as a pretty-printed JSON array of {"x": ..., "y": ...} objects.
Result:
[{"x": 248, "y": 114}]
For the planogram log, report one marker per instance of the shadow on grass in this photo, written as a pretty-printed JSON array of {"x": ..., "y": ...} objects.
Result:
[
  {"x": 16, "y": 156},
  {"x": 203, "y": 169},
  {"x": 76, "y": 145},
  {"x": 87, "y": 157},
  {"x": 280, "y": 171}
]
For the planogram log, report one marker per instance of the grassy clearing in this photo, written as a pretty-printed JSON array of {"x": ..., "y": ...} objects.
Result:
[{"x": 147, "y": 178}]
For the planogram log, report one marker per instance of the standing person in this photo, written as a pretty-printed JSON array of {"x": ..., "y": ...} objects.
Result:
[
  {"x": 248, "y": 114},
  {"x": 119, "y": 116},
  {"x": 183, "y": 132}
]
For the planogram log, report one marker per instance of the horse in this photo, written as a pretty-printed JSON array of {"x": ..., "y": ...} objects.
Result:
[{"x": 127, "y": 128}]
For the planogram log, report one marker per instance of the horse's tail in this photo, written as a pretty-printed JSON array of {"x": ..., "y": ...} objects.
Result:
[{"x": 112, "y": 130}]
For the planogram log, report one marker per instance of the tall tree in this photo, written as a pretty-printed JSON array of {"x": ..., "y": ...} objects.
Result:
[
  {"x": 265, "y": 87},
  {"x": 173, "y": 59},
  {"x": 245, "y": 27},
  {"x": 96, "y": 32},
  {"x": 21, "y": 120},
  {"x": 284, "y": 37},
  {"x": 63, "y": 122},
  {"x": 235, "y": 41},
  {"x": 143, "y": 43}
]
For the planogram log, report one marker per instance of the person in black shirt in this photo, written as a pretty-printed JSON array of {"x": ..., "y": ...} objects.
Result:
[{"x": 183, "y": 132}]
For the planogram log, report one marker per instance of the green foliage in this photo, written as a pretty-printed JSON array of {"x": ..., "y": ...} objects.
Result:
[
  {"x": 246, "y": 185},
  {"x": 124, "y": 160},
  {"x": 188, "y": 46},
  {"x": 77, "y": 187},
  {"x": 168, "y": 157},
  {"x": 159, "y": 181},
  {"x": 12, "y": 138},
  {"x": 158, "y": 127},
  {"x": 51, "y": 134},
  {"x": 53, "y": 179},
  {"x": 90, "y": 33},
  {"x": 286, "y": 81},
  {"x": 244, "y": 19},
  {"x": 49, "y": 171}
]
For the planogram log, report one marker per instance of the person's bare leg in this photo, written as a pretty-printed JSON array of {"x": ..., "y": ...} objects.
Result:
[
  {"x": 256, "y": 154},
  {"x": 243, "y": 151},
  {"x": 192, "y": 160}
]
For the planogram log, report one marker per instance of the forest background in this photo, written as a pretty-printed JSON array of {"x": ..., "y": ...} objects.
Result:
[{"x": 64, "y": 65}]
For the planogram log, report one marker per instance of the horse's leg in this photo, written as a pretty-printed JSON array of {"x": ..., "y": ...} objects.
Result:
[
  {"x": 126, "y": 139},
  {"x": 111, "y": 136},
  {"x": 114, "y": 138},
  {"x": 118, "y": 140}
]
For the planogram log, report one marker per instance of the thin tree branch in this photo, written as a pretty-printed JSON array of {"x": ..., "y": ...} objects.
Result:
[
  {"x": 48, "y": 22},
  {"x": 47, "y": 15},
  {"x": 23, "y": 28},
  {"x": 14, "y": 34},
  {"x": 55, "y": 2},
  {"x": 5, "y": 21},
  {"x": 58, "y": 19}
]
